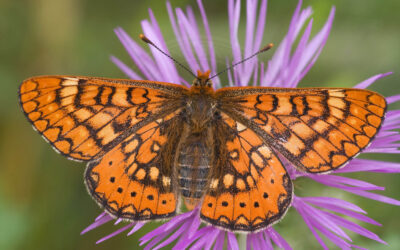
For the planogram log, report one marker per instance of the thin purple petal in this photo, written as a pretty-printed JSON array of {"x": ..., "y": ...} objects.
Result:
[
  {"x": 173, "y": 237},
  {"x": 219, "y": 243},
  {"x": 207, "y": 239},
  {"x": 376, "y": 197},
  {"x": 331, "y": 236},
  {"x": 211, "y": 50},
  {"x": 323, "y": 201},
  {"x": 117, "y": 221},
  {"x": 154, "y": 241},
  {"x": 361, "y": 165},
  {"x": 358, "y": 247},
  {"x": 366, "y": 83},
  {"x": 177, "y": 219},
  {"x": 114, "y": 233},
  {"x": 183, "y": 40},
  {"x": 262, "y": 16},
  {"x": 265, "y": 241},
  {"x": 307, "y": 219},
  {"x": 165, "y": 67},
  {"x": 185, "y": 241},
  {"x": 125, "y": 69},
  {"x": 173, "y": 223},
  {"x": 234, "y": 18},
  {"x": 295, "y": 24},
  {"x": 232, "y": 241},
  {"x": 393, "y": 99},
  {"x": 138, "y": 226},
  {"x": 168, "y": 67},
  {"x": 319, "y": 42},
  {"x": 251, "y": 10},
  {"x": 101, "y": 216},
  {"x": 322, "y": 218},
  {"x": 355, "y": 228},
  {"x": 294, "y": 68},
  {"x": 335, "y": 208},
  {"x": 278, "y": 239},
  {"x": 337, "y": 181},
  {"x": 99, "y": 221},
  {"x": 211, "y": 239},
  {"x": 194, "y": 226},
  {"x": 192, "y": 33}
]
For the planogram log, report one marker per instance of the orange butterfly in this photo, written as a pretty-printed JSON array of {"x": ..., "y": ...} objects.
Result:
[{"x": 148, "y": 143}]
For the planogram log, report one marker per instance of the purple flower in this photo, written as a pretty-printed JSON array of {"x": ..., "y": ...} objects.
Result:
[{"x": 323, "y": 215}]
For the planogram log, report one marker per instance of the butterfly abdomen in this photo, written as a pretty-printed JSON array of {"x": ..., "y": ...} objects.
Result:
[{"x": 193, "y": 164}]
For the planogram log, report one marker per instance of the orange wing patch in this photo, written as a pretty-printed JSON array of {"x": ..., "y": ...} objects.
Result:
[
  {"x": 249, "y": 189},
  {"x": 82, "y": 118},
  {"x": 318, "y": 130},
  {"x": 133, "y": 180}
]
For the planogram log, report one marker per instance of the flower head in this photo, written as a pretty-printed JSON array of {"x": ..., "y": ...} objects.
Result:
[{"x": 294, "y": 57}]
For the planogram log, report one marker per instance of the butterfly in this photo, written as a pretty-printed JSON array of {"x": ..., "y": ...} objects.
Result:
[{"x": 148, "y": 145}]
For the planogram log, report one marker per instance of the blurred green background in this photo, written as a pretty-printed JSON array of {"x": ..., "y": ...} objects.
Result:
[{"x": 43, "y": 201}]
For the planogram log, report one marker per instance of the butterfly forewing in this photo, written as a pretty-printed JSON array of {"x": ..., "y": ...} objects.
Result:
[
  {"x": 317, "y": 129},
  {"x": 249, "y": 187},
  {"x": 84, "y": 117}
]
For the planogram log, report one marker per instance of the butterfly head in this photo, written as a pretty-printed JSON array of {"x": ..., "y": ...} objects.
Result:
[{"x": 202, "y": 79}]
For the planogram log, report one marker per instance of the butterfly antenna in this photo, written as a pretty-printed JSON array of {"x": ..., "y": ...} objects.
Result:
[
  {"x": 265, "y": 48},
  {"x": 148, "y": 41}
]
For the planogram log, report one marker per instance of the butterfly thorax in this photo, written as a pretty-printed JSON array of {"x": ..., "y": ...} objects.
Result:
[{"x": 199, "y": 111}]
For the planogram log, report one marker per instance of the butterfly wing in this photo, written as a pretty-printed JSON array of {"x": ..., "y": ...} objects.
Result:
[
  {"x": 83, "y": 117},
  {"x": 249, "y": 187},
  {"x": 135, "y": 179},
  {"x": 317, "y": 129}
]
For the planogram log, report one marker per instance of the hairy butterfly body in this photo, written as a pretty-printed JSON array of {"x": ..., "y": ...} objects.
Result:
[{"x": 149, "y": 144}]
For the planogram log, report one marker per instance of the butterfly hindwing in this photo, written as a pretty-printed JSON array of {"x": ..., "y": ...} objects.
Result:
[
  {"x": 249, "y": 187},
  {"x": 135, "y": 179},
  {"x": 83, "y": 117},
  {"x": 317, "y": 129}
]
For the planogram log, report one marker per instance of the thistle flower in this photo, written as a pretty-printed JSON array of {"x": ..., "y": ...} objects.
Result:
[{"x": 325, "y": 215}]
